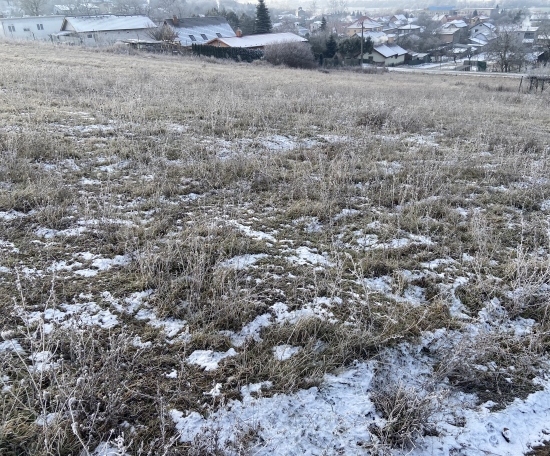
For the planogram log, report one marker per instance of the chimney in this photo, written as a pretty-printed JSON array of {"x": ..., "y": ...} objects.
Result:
[
  {"x": 239, "y": 32},
  {"x": 175, "y": 20}
]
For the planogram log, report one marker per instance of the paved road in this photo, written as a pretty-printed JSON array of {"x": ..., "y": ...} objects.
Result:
[{"x": 481, "y": 74}]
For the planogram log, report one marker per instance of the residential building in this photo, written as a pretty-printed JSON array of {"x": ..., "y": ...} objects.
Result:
[
  {"x": 485, "y": 28},
  {"x": 30, "y": 28},
  {"x": 479, "y": 11},
  {"x": 443, "y": 9},
  {"x": 364, "y": 23},
  {"x": 448, "y": 35},
  {"x": 103, "y": 30},
  {"x": 256, "y": 41},
  {"x": 387, "y": 54},
  {"x": 199, "y": 30},
  {"x": 409, "y": 28}
]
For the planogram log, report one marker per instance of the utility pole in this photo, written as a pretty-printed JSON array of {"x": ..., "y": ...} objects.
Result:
[{"x": 362, "y": 24}]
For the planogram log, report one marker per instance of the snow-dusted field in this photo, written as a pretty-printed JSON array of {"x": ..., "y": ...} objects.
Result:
[{"x": 199, "y": 257}]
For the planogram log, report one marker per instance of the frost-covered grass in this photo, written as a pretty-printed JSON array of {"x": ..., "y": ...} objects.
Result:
[{"x": 213, "y": 258}]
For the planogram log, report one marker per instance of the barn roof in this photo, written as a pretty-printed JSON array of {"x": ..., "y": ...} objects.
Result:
[
  {"x": 103, "y": 23},
  {"x": 388, "y": 50},
  {"x": 252, "y": 41}
]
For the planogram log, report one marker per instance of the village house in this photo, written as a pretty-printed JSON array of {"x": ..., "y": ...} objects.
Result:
[
  {"x": 364, "y": 23},
  {"x": 103, "y": 30},
  {"x": 491, "y": 12},
  {"x": 199, "y": 30},
  {"x": 484, "y": 28},
  {"x": 30, "y": 28},
  {"x": 399, "y": 19},
  {"x": 386, "y": 54},
  {"x": 441, "y": 18},
  {"x": 523, "y": 34},
  {"x": 376, "y": 37},
  {"x": 256, "y": 41},
  {"x": 448, "y": 35},
  {"x": 409, "y": 28},
  {"x": 442, "y": 9}
]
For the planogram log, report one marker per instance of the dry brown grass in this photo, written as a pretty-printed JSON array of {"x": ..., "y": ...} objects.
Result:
[{"x": 159, "y": 158}]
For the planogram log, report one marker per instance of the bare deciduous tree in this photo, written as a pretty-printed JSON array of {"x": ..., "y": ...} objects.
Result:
[
  {"x": 163, "y": 33},
  {"x": 313, "y": 7},
  {"x": 32, "y": 7},
  {"x": 507, "y": 50}
]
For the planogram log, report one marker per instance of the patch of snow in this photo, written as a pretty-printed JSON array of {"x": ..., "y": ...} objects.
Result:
[
  {"x": 85, "y": 181},
  {"x": 11, "y": 346},
  {"x": 8, "y": 245},
  {"x": 258, "y": 235},
  {"x": 63, "y": 266},
  {"x": 247, "y": 390},
  {"x": 172, "y": 374},
  {"x": 89, "y": 314},
  {"x": 250, "y": 331},
  {"x": 340, "y": 411},
  {"x": 215, "y": 391},
  {"x": 11, "y": 215},
  {"x": 136, "y": 342},
  {"x": 368, "y": 240},
  {"x": 41, "y": 361},
  {"x": 5, "y": 381},
  {"x": 242, "y": 261},
  {"x": 315, "y": 309},
  {"x": 188, "y": 427},
  {"x": 390, "y": 168},
  {"x": 284, "y": 352},
  {"x": 46, "y": 420},
  {"x": 346, "y": 213},
  {"x": 307, "y": 256},
  {"x": 49, "y": 233},
  {"x": 209, "y": 359},
  {"x": 526, "y": 421},
  {"x": 103, "y": 264},
  {"x": 87, "y": 272},
  {"x": 436, "y": 263},
  {"x": 170, "y": 326},
  {"x": 105, "y": 449}
]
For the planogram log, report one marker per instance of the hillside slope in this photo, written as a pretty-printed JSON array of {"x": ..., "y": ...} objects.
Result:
[{"x": 202, "y": 257}]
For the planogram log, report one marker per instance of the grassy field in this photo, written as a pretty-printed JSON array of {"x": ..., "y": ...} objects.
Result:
[{"x": 174, "y": 230}]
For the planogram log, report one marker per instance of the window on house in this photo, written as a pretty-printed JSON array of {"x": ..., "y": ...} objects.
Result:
[
  {"x": 26, "y": 29},
  {"x": 11, "y": 28},
  {"x": 90, "y": 35},
  {"x": 40, "y": 26},
  {"x": 204, "y": 37},
  {"x": 192, "y": 38},
  {"x": 219, "y": 35}
]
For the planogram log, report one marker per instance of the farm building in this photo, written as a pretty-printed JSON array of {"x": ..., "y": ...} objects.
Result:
[
  {"x": 103, "y": 30},
  {"x": 256, "y": 41},
  {"x": 199, "y": 30},
  {"x": 30, "y": 28}
]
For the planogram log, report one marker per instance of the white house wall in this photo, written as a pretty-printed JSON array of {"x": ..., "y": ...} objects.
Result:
[
  {"x": 388, "y": 61},
  {"x": 27, "y": 28},
  {"x": 98, "y": 39}
]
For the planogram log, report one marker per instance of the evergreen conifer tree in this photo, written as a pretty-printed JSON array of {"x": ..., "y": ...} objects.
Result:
[
  {"x": 263, "y": 21},
  {"x": 331, "y": 48},
  {"x": 323, "y": 24}
]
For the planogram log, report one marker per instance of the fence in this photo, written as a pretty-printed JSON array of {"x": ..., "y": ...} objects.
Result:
[{"x": 238, "y": 54}]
